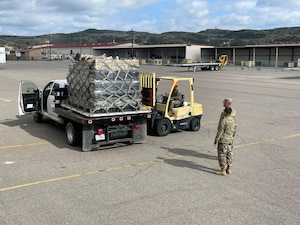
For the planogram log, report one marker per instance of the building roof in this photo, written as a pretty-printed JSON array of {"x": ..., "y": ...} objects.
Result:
[
  {"x": 77, "y": 45},
  {"x": 129, "y": 45}
]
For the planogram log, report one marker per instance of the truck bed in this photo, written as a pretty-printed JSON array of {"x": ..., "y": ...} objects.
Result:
[{"x": 76, "y": 111}]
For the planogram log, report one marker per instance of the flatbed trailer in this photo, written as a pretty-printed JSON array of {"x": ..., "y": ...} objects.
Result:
[
  {"x": 221, "y": 62},
  {"x": 202, "y": 66}
]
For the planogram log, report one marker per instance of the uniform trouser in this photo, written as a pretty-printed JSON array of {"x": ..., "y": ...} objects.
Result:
[{"x": 224, "y": 155}]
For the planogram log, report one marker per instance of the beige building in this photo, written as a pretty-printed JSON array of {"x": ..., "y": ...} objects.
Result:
[{"x": 273, "y": 55}]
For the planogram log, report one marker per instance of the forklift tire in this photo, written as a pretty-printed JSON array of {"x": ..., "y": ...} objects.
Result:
[
  {"x": 162, "y": 127},
  {"x": 195, "y": 124},
  {"x": 72, "y": 134},
  {"x": 38, "y": 118}
]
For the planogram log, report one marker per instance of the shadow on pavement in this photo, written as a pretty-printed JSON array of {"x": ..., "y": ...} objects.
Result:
[
  {"x": 186, "y": 152},
  {"x": 185, "y": 163},
  {"x": 47, "y": 130},
  {"x": 290, "y": 78}
]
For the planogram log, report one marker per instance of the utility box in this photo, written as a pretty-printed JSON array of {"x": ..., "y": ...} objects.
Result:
[{"x": 2, "y": 55}]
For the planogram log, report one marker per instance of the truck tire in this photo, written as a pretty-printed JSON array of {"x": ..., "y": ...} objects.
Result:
[
  {"x": 72, "y": 133},
  {"x": 195, "y": 124},
  {"x": 38, "y": 118},
  {"x": 162, "y": 127}
]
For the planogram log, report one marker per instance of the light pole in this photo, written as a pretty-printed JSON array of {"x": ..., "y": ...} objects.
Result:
[
  {"x": 80, "y": 43},
  {"x": 49, "y": 46},
  {"x": 132, "y": 43}
]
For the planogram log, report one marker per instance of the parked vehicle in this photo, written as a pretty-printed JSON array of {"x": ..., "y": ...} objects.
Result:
[{"x": 98, "y": 106}]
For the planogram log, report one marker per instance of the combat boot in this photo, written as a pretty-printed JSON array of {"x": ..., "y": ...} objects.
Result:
[
  {"x": 228, "y": 170},
  {"x": 221, "y": 172}
]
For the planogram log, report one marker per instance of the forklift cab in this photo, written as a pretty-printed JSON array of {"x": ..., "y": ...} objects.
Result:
[{"x": 173, "y": 107}]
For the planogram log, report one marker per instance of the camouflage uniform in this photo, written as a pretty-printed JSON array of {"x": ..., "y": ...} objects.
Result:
[
  {"x": 224, "y": 139},
  {"x": 233, "y": 113},
  {"x": 176, "y": 98}
]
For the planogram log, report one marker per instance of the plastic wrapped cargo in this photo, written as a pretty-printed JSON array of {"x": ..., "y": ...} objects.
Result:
[{"x": 104, "y": 85}]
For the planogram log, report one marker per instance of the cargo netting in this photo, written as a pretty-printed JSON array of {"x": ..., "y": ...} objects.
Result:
[{"x": 100, "y": 85}]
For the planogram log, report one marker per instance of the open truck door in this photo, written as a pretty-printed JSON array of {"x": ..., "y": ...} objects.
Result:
[{"x": 29, "y": 98}]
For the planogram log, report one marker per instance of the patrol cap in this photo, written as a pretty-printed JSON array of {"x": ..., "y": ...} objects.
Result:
[{"x": 229, "y": 100}]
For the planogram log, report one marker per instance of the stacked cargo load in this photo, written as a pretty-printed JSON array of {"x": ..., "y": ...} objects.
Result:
[{"x": 103, "y": 84}]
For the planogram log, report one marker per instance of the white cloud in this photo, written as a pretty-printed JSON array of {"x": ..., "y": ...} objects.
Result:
[
  {"x": 244, "y": 6},
  {"x": 198, "y": 9},
  {"x": 33, "y": 17},
  {"x": 278, "y": 3}
]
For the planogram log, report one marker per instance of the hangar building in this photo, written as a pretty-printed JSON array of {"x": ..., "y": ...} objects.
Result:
[{"x": 271, "y": 55}]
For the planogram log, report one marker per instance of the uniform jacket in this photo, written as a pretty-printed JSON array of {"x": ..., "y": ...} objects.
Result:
[
  {"x": 176, "y": 95},
  {"x": 233, "y": 113},
  {"x": 226, "y": 130}
]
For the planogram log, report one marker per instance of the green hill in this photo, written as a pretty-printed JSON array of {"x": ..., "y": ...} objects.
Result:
[{"x": 215, "y": 37}]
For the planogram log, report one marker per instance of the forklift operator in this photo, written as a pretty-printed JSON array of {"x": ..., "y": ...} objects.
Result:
[{"x": 176, "y": 97}]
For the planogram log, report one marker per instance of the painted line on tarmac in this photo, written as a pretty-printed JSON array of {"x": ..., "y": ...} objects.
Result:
[
  {"x": 265, "y": 141},
  {"x": 5, "y": 100},
  {"x": 24, "y": 145},
  {"x": 135, "y": 165}
]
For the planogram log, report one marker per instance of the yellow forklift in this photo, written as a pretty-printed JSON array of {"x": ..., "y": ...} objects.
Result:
[{"x": 166, "y": 116}]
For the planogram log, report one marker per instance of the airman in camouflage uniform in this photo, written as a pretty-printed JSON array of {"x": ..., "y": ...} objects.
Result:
[
  {"x": 227, "y": 103},
  {"x": 224, "y": 142},
  {"x": 176, "y": 96}
]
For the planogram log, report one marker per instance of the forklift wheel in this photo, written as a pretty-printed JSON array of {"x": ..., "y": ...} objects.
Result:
[
  {"x": 163, "y": 127},
  {"x": 195, "y": 124}
]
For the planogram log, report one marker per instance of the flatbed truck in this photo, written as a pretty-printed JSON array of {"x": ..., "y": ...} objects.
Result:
[{"x": 90, "y": 130}]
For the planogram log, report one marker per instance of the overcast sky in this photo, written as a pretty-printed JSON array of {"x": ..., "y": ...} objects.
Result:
[{"x": 38, "y": 17}]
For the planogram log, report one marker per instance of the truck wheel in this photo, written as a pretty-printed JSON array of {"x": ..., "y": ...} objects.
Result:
[
  {"x": 72, "y": 134},
  {"x": 38, "y": 118},
  {"x": 212, "y": 68},
  {"x": 195, "y": 124},
  {"x": 217, "y": 67},
  {"x": 163, "y": 127}
]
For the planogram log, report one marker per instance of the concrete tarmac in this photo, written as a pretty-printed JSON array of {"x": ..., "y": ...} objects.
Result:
[{"x": 167, "y": 180}]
